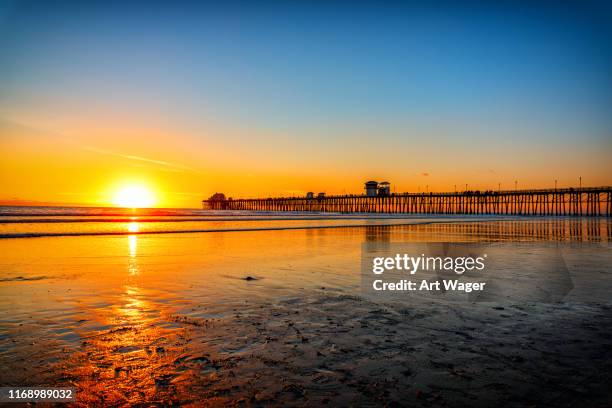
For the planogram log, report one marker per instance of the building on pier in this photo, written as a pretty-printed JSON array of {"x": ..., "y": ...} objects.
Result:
[
  {"x": 371, "y": 188},
  {"x": 384, "y": 189},
  {"x": 374, "y": 188},
  {"x": 217, "y": 197}
]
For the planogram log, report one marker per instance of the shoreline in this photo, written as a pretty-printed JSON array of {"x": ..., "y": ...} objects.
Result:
[{"x": 132, "y": 226}]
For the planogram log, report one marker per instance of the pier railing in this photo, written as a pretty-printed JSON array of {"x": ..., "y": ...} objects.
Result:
[{"x": 587, "y": 201}]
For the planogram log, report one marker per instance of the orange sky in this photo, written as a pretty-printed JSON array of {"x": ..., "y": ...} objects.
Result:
[{"x": 80, "y": 163}]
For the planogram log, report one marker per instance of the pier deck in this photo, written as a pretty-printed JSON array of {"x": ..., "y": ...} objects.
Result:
[{"x": 587, "y": 201}]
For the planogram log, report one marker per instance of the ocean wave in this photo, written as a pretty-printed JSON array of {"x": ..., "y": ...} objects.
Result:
[
  {"x": 207, "y": 230},
  {"x": 23, "y": 278},
  {"x": 42, "y": 211},
  {"x": 317, "y": 217}
]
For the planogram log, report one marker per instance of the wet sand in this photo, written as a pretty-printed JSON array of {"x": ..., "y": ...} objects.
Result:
[{"x": 173, "y": 319}]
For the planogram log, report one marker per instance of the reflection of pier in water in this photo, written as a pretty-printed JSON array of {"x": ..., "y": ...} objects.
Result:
[
  {"x": 591, "y": 201},
  {"x": 572, "y": 230}
]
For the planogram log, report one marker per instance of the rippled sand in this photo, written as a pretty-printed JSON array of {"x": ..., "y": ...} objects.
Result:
[{"x": 161, "y": 319}]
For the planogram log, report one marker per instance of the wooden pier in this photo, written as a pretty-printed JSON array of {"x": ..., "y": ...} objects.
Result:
[{"x": 588, "y": 201}]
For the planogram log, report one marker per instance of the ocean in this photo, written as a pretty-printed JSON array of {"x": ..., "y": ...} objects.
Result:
[{"x": 32, "y": 222}]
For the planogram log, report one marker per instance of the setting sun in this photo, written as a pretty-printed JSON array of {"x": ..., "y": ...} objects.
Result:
[{"x": 134, "y": 196}]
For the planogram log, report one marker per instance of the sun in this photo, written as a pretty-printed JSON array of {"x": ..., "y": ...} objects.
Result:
[{"x": 134, "y": 196}]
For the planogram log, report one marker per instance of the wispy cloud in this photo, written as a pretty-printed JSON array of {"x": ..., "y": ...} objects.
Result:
[
  {"x": 162, "y": 163},
  {"x": 10, "y": 127}
]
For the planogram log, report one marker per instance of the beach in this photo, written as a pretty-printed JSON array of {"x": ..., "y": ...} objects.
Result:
[
  {"x": 305, "y": 204},
  {"x": 274, "y": 313}
]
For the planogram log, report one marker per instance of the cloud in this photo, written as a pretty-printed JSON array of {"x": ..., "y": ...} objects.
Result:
[
  {"x": 14, "y": 128},
  {"x": 424, "y": 174},
  {"x": 162, "y": 163}
]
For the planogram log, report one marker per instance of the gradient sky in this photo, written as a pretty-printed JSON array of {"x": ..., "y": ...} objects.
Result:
[{"x": 281, "y": 99}]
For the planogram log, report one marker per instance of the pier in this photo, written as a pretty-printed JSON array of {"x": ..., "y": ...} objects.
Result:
[{"x": 586, "y": 201}]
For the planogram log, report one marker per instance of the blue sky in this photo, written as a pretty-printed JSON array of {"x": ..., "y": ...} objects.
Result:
[{"x": 330, "y": 74}]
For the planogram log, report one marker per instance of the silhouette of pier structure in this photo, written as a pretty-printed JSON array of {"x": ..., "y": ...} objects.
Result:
[{"x": 585, "y": 201}]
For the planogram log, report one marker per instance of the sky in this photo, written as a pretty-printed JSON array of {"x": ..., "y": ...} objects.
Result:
[{"x": 192, "y": 98}]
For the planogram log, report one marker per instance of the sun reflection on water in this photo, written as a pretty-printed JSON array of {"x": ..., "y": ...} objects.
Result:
[
  {"x": 133, "y": 243},
  {"x": 133, "y": 246},
  {"x": 133, "y": 306}
]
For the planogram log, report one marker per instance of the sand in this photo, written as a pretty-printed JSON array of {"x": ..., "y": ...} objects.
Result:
[{"x": 329, "y": 348}]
